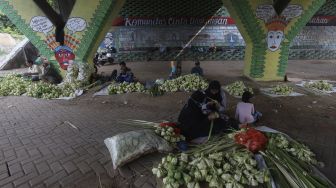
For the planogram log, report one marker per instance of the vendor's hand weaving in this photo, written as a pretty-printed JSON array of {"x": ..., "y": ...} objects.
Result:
[{"x": 213, "y": 116}]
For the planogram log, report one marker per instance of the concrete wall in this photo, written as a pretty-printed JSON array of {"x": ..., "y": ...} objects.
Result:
[
  {"x": 316, "y": 37},
  {"x": 313, "y": 42},
  {"x": 131, "y": 38}
]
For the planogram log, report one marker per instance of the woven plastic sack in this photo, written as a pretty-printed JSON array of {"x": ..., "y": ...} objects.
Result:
[{"x": 129, "y": 146}]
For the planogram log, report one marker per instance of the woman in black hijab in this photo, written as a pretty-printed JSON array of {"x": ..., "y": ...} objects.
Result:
[
  {"x": 215, "y": 98},
  {"x": 196, "y": 124}
]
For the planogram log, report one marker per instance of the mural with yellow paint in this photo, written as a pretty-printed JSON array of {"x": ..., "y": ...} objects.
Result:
[
  {"x": 268, "y": 35},
  {"x": 86, "y": 27},
  {"x": 275, "y": 23},
  {"x": 63, "y": 53}
]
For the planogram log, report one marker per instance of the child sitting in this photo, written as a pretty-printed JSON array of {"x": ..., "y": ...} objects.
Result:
[{"x": 245, "y": 112}]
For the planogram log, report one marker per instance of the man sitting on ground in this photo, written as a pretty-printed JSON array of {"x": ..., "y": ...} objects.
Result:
[
  {"x": 34, "y": 71},
  {"x": 197, "y": 69},
  {"x": 125, "y": 75},
  {"x": 49, "y": 73}
]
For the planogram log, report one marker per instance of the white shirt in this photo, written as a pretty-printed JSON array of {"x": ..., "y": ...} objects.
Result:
[
  {"x": 244, "y": 112},
  {"x": 34, "y": 69}
]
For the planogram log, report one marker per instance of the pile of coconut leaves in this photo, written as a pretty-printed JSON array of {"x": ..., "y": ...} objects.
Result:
[{"x": 243, "y": 158}]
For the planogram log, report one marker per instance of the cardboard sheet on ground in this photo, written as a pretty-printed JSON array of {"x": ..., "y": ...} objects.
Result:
[
  {"x": 301, "y": 84},
  {"x": 102, "y": 92},
  {"x": 267, "y": 91},
  {"x": 77, "y": 94}
]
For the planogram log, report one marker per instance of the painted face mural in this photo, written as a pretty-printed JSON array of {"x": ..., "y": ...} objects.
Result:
[
  {"x": 66, "y": 53},
  {"x": 275, "y": 33},
  {"x": 274, "y": 39},
  {"x": 276, "y": 24},
  {"x": 63, "y": 55}
]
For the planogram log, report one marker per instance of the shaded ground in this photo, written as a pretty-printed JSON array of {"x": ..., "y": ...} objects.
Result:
[{"x": 37, "y": 150}]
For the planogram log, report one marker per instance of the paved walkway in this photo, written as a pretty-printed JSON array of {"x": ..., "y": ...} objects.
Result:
[
  {"x": 50, "y": 143},
  {"x": 37, "y": 149}
]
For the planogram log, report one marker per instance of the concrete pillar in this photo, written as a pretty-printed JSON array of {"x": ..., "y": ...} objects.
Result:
[
  {"x": 268, "y": 35},
  {"x": 86, "y": 27}
]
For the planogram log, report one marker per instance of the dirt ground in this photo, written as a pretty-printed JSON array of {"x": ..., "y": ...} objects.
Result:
[{"x": 310, "y": 119}]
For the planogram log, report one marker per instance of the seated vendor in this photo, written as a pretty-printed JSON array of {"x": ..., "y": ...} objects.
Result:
[
  {"x": 176, "y": 69},
  {"x": 197, "y": 69},
  {"x": 194, "y": 123},
  {"x": 125, "y": 75},
  {"x": 173, "y": 72},
  {"x": 215, "y": 99},
  {"x": 245, "y": 111},
  {"x": 34, "y": 71},
  {"x": 49, "y": 73}
]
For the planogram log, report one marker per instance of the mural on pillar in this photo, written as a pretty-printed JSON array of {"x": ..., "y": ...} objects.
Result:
[
  {"x": 86, "y": 27},
  {"x": 276, "y": 24},
  {"x": 268, "y": 35},
  {"x": 63, "y": 53}
]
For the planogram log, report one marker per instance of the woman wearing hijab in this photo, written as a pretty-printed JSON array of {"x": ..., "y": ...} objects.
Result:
[
  {"x": 194, "y": 123},
  {"x": 215, "y": 99}
]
